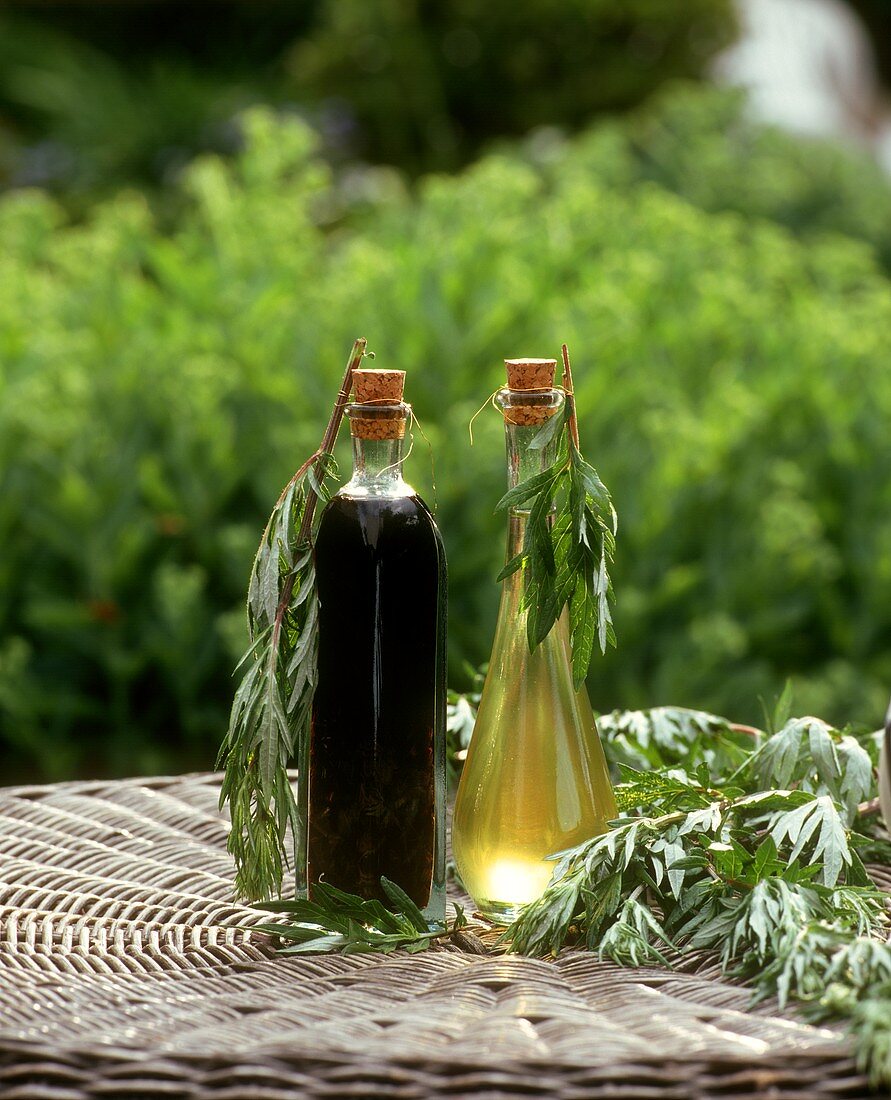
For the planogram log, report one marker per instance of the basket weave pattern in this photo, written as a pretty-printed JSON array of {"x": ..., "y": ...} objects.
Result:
[{"x": 126, "y": 970}]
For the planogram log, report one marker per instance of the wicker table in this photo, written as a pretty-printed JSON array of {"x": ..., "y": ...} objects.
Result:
[{"x": 125, "y": 972}]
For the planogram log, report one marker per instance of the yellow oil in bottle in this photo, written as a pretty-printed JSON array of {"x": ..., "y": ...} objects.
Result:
[{"x": 535, "y": 781}]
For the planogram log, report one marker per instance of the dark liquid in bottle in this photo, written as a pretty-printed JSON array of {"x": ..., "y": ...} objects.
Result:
[{"x": 380, "y": 575}]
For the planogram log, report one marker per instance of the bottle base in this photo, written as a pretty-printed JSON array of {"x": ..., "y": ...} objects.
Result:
[
  {"x": 434, "y": 911},
  {"x": 499, "y": 912}
]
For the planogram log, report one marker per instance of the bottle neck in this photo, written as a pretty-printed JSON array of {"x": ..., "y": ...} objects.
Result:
[
  {"x": 531, "y": 436},
  {"x": 377, "y": 469},
  {"x": 532, "y": 444},
  {"x": 523, "y": 459},
  {"x": 522, "y": 463}
]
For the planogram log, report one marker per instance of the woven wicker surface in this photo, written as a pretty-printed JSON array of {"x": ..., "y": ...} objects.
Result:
[{"x": 125, "y": 971}]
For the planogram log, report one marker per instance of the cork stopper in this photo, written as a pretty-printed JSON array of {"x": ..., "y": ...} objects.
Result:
[
  {"x": 529, "y": 398},
  {"x": 378, "y": 387},
  {"x": 530, "y": 374},
  {"x": 379, "y": 412}
]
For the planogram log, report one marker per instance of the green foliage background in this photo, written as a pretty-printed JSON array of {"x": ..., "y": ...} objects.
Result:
[
  {"x": 160, "y": 382},
  {"x": 93, "y": 95},
  {"x": 425, "y": 84}
]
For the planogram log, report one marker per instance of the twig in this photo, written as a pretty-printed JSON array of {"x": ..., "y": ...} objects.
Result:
[
  {"x": 752, "y": 731},
  {"x": 870, "y": 808},
  {"x": 570, "y": 398},
  {"x": 321, "y": 456},
  {"x": 295, "y": 477},
  {"x": 328, "y": 439}
]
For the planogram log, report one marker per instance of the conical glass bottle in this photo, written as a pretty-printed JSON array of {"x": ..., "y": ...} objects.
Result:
[
  {"x": 535, "y": 781},
  {"x": 376, "y": 754}
]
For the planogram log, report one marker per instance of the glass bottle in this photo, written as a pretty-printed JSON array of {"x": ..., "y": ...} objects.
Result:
[
  {"x": 376, "y": 800},
  {"x": 535, "y": 780}
]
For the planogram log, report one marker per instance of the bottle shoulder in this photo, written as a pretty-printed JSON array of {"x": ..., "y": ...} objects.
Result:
[
  {"x": 379, "y": 523},
  {"x": 409, "y": 505}
]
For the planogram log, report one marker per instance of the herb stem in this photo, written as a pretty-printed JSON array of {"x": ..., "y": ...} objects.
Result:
[
  {"x": 869, "y": 808},
  {"x": 319, "y": 458},
  {"x": 330, "y": 436},
  {"x": 752, "y": 731},
  {"x": 568, "y": 390}
]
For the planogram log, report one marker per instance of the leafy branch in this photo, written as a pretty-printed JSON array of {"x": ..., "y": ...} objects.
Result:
[
  {"x": 675, "y": 737},
  {"x": 569, "y": 541},
  {"x": 272, "y": 706},
  {"x": 813, "y": 756},
  {"x": 709, "y": 857},
  {"x": 337, "y": 921},
  {"x": 757, "y": 864}
]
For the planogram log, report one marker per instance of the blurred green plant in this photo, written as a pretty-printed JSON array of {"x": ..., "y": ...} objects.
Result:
[
  {"x": 90, "y": 100},
  {"x": 703, "y": 145},
  {"x": 158, "y": 386},
  {"x": 436, "y": 81},
  {"x": 93, "y": 99}
]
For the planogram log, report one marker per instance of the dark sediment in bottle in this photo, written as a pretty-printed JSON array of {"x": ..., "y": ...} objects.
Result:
[{"x": 372, "y": 783}]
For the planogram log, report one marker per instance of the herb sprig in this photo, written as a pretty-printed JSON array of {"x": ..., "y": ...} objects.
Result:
[
  {"x": 271, "y": 709},
  {"x": 758, "y": 865},
  {"x": 337, "y": 921},
  {"x": 708, "y": 857},
  {"x": 569, "y": 541}
]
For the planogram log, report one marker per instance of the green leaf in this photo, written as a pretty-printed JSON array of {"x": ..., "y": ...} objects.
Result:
[
  {"x": 782, "y": 712},
  {"x": 403, "y": 904},
  {"x": 857, "y": 777},
  {"x": 823, "y": 751},
  {"x": 765, "y": 858},
  {"x": 528, "y": 490},
  {"x": 320, "y": 945},
  {"x": 602, "y": 615},
  {"x": 269, "y": 570},
  {"x": 594, "y": 486},
  {"x": 815, "y": 826},
  {"x": 583, "y": 619},
  {"x": 512, "y": 566},
  {"x": 548, "y": 431}
]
